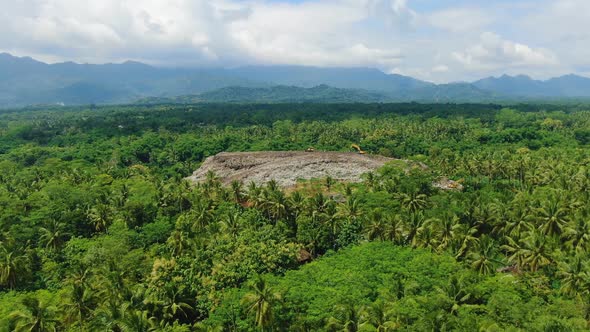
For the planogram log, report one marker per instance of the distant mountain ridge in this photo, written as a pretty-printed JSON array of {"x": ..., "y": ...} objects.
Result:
[
  {"x": 277, "y": 94},
  {"x": 25, "y": 81},
  {"x": 524, "y": 86},
  {"x": 345, "y": 78},
  {"x": 327, "y": 94}
]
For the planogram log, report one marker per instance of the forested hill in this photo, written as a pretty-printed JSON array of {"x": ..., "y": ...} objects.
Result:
[
  {"x": 278, "y": 94},
  {"x": 325, "y": 94}
]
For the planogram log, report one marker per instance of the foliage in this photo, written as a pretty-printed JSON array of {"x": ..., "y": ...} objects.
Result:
[{"x": 99, "y": 231}]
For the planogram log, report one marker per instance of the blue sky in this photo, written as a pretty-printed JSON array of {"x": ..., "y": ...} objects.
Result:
[{"x": 440, "y": 41}]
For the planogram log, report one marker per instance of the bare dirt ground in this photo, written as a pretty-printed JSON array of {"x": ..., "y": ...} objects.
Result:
[{"x": 288, "y": 167}]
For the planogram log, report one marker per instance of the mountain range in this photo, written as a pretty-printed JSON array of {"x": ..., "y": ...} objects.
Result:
[
  {"x": 277, "y": 94},
  {"x": 25, "y": 81}
]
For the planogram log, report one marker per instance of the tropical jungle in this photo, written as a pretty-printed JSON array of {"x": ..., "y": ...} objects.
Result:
[{"x": 100, "y": 231}]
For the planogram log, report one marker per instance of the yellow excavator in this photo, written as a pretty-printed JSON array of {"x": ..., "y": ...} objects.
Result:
[{"x": 358, "y": 148}]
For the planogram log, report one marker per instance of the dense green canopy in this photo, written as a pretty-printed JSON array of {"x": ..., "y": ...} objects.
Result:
[{"x": 99, "y": 231}]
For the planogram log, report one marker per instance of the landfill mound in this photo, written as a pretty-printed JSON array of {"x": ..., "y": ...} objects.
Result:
[{"x": 287, "y": 167}]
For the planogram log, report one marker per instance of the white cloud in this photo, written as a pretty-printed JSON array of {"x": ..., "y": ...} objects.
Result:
[
  {"x": 111, "y": 29},
  {"x": 394, "y": 12},
  {"x": 460, "y": 20},
  {"x": 440, "y": 69},
  {"x": 201, "y": 32},
  {"x": 565, "y": 26},
  {"x": 493, "y": 52},
  {"x": 458, "y": 40},
  {"x": 309, "y": 33}
]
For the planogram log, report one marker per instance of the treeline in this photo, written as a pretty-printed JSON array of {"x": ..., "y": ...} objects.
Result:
[{"x": 99, "y": 231}]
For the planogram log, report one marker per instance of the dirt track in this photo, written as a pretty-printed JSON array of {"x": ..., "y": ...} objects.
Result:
[{"x": 287, "y": 167}]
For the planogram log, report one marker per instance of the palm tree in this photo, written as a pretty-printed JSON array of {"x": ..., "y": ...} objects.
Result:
[
  {"x": 413, "y": 202},
  {"x": 181, "y": 195},
  {"x": 120, "y": 198},
  {"x": 348, "y": 188},
  {"x": 347, "y": 318},
  {"x": 82, "y": 298},
  {"x": 224, "y": 195},
  {"x": 13, "y": 266},
  {"x": 200, "y": 215},
  {"x": 575, "y": 279},
  {"x": 394, "y": 229},
  {"x": 370, "y": 180},
  {"x": 253, "y": 193},
  {"x": 502, "y": 218},
  {"x": 515, "y": 251},
  {"x": 445, "y": 229},
  {"x": 553, "y": 217},
  {"x": 577, "y": 235},
  {"x": 457, "y": 294},
  {"x": 531, "y": 252},
  {"x": 482, "y": 258},
  {"x": 137, "y": 321},
  {"x": 318, "y": 203},
  {"x": 272, "y": 185},
  {"x": 331, "y": 221},
  {"x": 230, "y": 224},
  {"x": 203, "y": 327},
  {"x": 260, "y": 300},
  {"x": 179, "y": 241},
  {"x": 464, "y": 240},
  {"x": 174, "y": 305},
  {"x": 108, "y": 316},
  {"x": 276, "y": 205},
  {"x": 329, "y": 182},
  {"x": 113, "y": 284},
  {"x": 297, "y": 203},
  {"x": 99, "y": 216},
  {"x": 237, "y": 190},
  {"x": 379, "y": 316},
  {"x": 485, "y": 216},
  {"x": 36, "y": 316},
  {"x": 519, "y": 221},
  {"x": 426, "y": 235},
  {"x": 351, "y": 209},
  {"x": 414, "y": 224},
  {"x": 315, "y": 238},
  {"x": 376, "y": 226},
  {"x": 54, "y": 235},
  {"x": 211, "y": 181}
]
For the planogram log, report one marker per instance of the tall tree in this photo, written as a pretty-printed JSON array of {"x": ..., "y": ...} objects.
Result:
[
  {"x": 36, "y": 316},
  {"x": 53, "y": 235},
  {"x": 380, "y": 316},
  {"x": 346, "y": 318},
  {"x": 260, "y": 301},
  {"x": 14, "y": 266},
  {"x": 553, "y": 217}
]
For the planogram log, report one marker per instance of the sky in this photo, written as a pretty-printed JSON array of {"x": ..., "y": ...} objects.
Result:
[{"x": 434, "y": 40}]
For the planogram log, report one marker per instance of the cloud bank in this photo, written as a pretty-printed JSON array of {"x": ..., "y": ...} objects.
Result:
[{"x": 435, "y": 40}]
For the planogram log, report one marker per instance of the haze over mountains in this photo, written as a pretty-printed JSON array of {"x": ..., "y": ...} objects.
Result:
[{"x": 25, "y": 81}]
